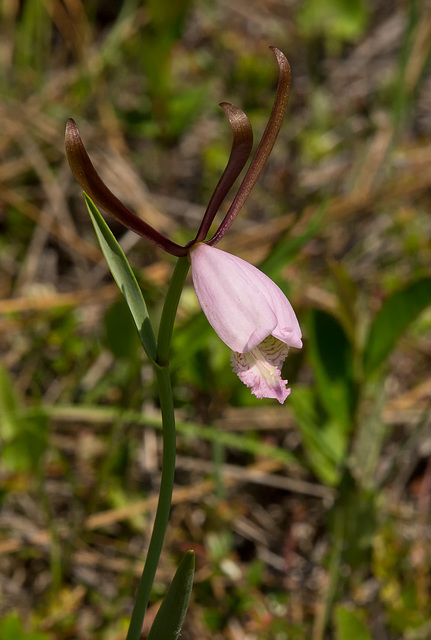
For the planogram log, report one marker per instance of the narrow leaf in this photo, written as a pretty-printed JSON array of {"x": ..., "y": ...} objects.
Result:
[
  {"x": 397, "y": 312},
  {"x": 125, "y": 279},
  {"x": 332, "y": 358},
  {"x": 170, "y": 617}
]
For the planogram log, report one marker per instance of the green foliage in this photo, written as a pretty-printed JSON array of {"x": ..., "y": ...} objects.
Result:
[
  {"x": 24, "y": 437},
  {"x": 408, "y": 80},
  {"x": 395, "y": 315},
  {"x": 337, "y": 20},
  {"x": 8, "y": 404},
  {"x": 33, "y": 34},
  {"x": 321, "y": 140},
  {"x": 349, "y": 625},
  {"x": 354, "y": 520},
  {"x": 403, "y": 586},
  {"x": 121, "y": 331},
  {"x": 326, "y": 414},
  {"x": 11, "y": 629},
  {"x": 331, "y": 354},
  {"x": 125, "y": 279},
  {"x": 324, "y": 442},
  {"x": 172, "y": 109},
  {"x": 170, "y": 617},
  {"x": 23, "y": 450}
]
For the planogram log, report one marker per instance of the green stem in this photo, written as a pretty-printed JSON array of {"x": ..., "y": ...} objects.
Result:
[
  {"x": 170, "y": 310},
  {"x": 169, "y": 448}
]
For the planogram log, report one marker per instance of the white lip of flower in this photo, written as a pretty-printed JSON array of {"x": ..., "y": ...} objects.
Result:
[
  {"x": 260, "y": 369},
  {"x": 251, "y": 315}
]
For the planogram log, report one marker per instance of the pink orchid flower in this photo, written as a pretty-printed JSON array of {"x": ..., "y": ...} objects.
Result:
[
  {"x": 250, "y": 314},
  {"x": 247, "y": 310}
]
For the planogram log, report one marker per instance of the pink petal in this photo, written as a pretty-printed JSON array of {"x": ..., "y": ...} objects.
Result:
[
  {"x": 241, "y": 303},
  {"x": 260, "y": 369}
]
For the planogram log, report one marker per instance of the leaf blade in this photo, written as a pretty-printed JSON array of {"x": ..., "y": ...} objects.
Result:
[
  {"x": 125, "y": 279},
  {"x": 331, "y": 353},
  {"x": 396, "y": 313},
  {"x": 170, "y": 617}
]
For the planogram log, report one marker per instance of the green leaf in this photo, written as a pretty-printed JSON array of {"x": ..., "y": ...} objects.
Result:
[
  {"x": 397, "y": 312},
  {"x": 331, "y": 354},
  {"x": 323, "y": 443},
  {"x": 169, "y": 619},
  {"x": 349, "y": 626},
  {"x": 120, "y": 331},
  {"x": 125, "y": 279},
  {"x": 24, "y": 451},
  {"x": 11, "y": 629}
]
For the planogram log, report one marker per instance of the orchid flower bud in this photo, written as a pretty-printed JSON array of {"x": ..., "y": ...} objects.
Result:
[{"x": 250, "y": 314}]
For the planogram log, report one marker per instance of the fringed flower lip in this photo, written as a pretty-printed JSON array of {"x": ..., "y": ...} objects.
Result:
[{"x": 242, "y": 142}]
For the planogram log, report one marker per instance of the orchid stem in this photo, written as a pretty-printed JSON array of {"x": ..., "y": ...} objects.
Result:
[
  {"x": 170, "y": 310},
  {"x": 169, "y": 448}
]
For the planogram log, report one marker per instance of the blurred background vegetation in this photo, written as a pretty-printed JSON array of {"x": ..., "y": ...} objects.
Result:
[{"x": 309, "y": 520}]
